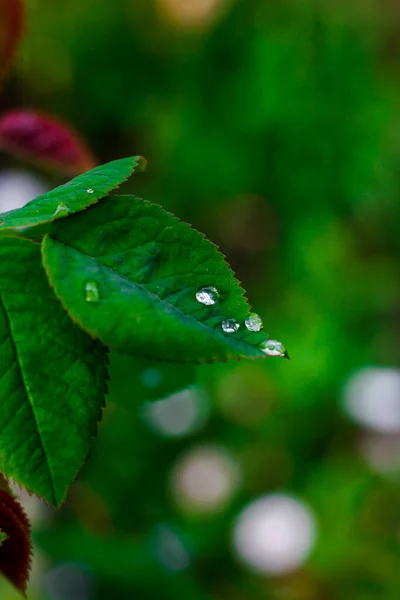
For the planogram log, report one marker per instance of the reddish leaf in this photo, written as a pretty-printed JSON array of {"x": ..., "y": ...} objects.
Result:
[
  {"x": 39, "y": 137},
  {"x": 15, "y": 551},
  {"x": 11, "y": 24}
]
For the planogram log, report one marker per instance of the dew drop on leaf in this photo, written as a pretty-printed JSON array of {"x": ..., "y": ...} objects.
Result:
[
  {"x": 90, "y": 191},
  {"x": 274, "y": 348},
  {"x": 207, "y": 296},
  {"x": 62, "y": 210},
  {"x": 92, "y": 292},
  {"x": 230, "y": 326},
  {"x": 254, "y": 323}
]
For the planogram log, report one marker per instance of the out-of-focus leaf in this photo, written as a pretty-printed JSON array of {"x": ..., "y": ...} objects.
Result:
[
  {"x": 11, "y": 24},
  {"x": 131, "y": 559},
  {"x": 52, "y": 379},
  {"x": 120, "y": 559},
  {"x": 15, "y": 550},
  {"x": 135, "y": 380},
  {"x": 41, "y": 138},
  {"x": 135, "y": 281},
  {"x": 3, "y": 537},
  {"x": 74, "y": 196}
]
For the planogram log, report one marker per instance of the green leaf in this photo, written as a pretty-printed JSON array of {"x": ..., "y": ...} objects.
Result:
[
  {"x": 52, "y": 379},
  {"x": 74, "y": 196},
  {"x": 128, "y": 272},
  {"x": 3, "y": 537}
]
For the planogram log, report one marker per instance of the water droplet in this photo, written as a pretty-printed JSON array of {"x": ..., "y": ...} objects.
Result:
[
  {"x": 62, "y": 210},
  {"x": 230, "y": 326},
  {"x": 207, "y": 296},
  {"x": 274, "y": 348},
  {"x": 92, "y": 292},
  {"x": 90, "y": 191},
  {"x": 254, "y": 322}
]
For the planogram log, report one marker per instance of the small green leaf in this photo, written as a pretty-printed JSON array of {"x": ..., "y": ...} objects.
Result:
[
  {"x": 52, "y": 379},
  {"x": 3, "y": 537},
  {"x": 137, "y": 278},
  {"x": 74, "y": 196}
]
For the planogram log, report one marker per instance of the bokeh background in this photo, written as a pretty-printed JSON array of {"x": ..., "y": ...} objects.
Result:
[{"x": 274, "y": 127}]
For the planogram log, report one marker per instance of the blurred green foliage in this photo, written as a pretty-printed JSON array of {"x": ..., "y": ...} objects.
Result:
[{"x": 273, "y": 128}]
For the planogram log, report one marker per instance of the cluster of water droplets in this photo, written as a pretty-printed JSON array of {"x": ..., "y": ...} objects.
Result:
[{"x": 210, "y": 295}]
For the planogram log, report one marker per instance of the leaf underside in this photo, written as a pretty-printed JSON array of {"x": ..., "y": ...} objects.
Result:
[
  {"x": 74, "y": 196},
  {"x": 52, "y": 379},
  {"x": 147, "y": 267}
]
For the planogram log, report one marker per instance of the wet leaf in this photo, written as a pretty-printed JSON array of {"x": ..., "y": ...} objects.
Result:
[{"x": 147, "y": 284}]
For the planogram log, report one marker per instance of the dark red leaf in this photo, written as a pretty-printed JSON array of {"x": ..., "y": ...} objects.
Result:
[
  {"x": 11, "y": 25},
  {"x": 16, "y": 550},
  {"x": 41, "y": 138}
]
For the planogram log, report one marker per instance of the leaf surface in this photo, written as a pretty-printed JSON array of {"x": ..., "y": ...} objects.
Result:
[
  {"x": 52, "y": 379},
  {"x": 44, "y": 139},
  {"x": 74, "y": 196},
  {"x": 128, "y": 272}
]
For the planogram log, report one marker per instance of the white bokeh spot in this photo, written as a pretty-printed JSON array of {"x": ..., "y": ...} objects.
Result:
[
  {"x": 372, "y": 398},
  {"x": 17, "y": 187},
  {"x": 274, "y": 534},
  {"x": 177, "y": 415},
  {"x": 204, "y": 479}
]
